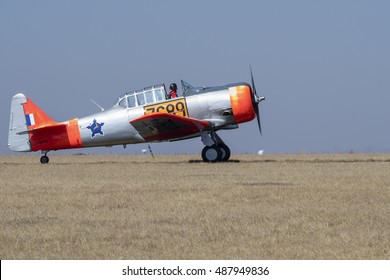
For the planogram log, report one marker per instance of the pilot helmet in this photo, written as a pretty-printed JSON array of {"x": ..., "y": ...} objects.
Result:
[{"x": 173, "y": 86}]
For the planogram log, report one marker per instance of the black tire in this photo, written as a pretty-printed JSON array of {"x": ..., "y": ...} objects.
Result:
[
  {"x": 44, "y": 159},
  {"x": 211, "y": 154},
  {"x": 225, "y": 152}
]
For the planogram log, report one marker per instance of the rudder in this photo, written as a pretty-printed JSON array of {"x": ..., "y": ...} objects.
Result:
[
  {"x": 25, "y": 116},
  {"x": 17, "y": 141}
]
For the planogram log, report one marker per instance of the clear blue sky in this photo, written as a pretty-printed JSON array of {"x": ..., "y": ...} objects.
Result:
[{"x": 323, "y": 66}]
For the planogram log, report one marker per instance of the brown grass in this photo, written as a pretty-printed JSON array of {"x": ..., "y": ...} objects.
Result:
[{"x": 131, "y": 207}]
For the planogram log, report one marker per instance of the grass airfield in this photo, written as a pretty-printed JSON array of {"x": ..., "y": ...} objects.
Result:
[{"x": 177, "y": 207}]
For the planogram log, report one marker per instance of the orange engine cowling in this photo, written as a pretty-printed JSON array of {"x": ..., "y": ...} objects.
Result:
[{"x": 241, "y": 100}]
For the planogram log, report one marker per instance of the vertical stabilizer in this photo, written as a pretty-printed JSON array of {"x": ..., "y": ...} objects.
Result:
[{"x": 17, "y": 124}]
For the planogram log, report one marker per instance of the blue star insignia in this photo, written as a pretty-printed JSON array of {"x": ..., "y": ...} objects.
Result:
[{"x": 96, "y": 128}]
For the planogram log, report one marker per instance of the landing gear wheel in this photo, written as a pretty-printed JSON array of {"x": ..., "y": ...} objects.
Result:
[
  {"x": 211, "y": 154},
  {"x": 44, "y": 159},
  {"x": 225, "y": 152}
]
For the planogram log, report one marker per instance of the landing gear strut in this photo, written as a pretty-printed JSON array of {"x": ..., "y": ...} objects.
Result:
[
  {"x": 44, "y": 158},
  {"x": 215, "y": 149}
]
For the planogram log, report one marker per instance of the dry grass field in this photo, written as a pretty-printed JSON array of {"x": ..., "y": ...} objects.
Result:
[{"x": 176, "y": 207}]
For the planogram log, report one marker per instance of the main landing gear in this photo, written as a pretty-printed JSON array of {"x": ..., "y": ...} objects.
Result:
[
  {"x": 44, "y": 158},
  {"x": 215, "y": 149}
]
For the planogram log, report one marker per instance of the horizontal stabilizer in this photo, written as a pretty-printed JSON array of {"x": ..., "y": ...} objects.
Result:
[{"x": 43, "y": 129}]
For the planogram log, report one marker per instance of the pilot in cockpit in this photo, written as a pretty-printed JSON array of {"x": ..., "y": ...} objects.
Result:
[{"x": 173, "y": 92}]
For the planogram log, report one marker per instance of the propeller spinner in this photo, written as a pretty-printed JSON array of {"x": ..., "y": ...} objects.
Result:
[{"x": 256, "y": 101}]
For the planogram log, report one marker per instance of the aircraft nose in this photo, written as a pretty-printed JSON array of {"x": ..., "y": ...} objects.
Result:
[{"x": 241, "y": 100}]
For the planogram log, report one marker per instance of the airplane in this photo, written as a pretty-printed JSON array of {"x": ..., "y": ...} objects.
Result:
[{"x": 140, "y": 116}]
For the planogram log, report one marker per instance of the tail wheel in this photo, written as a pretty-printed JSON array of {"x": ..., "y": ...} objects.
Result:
[
  {"x": 211, "y": 154},
  {"x": 225, "y": 152},
  {"x": 44, "y": 159}
]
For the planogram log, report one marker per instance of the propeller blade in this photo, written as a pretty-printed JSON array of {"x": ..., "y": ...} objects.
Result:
[
  {"x": 258, "y": 119},
  {"x": 256, "y": 101},
  {"x": 253, "y": 83}
]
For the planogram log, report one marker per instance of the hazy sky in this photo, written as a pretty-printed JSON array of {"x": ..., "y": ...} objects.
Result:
[{"x": 323, "y": 66}]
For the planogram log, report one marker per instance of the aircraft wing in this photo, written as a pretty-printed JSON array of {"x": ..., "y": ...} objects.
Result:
[{"x": 164, "y": 126}]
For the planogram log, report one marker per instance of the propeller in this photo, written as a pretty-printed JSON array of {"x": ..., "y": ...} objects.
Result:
[{"x": 256, "y": 101}]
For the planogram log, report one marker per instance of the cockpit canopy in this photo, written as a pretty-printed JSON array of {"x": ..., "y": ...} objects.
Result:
[
  {"x": 143, "y": 96},
  {"x": 154, "y": 94},
  {"x": 189, "y": 90}
]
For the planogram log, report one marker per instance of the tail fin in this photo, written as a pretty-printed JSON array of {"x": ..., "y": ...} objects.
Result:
[{"x": 25, "y": 116}]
